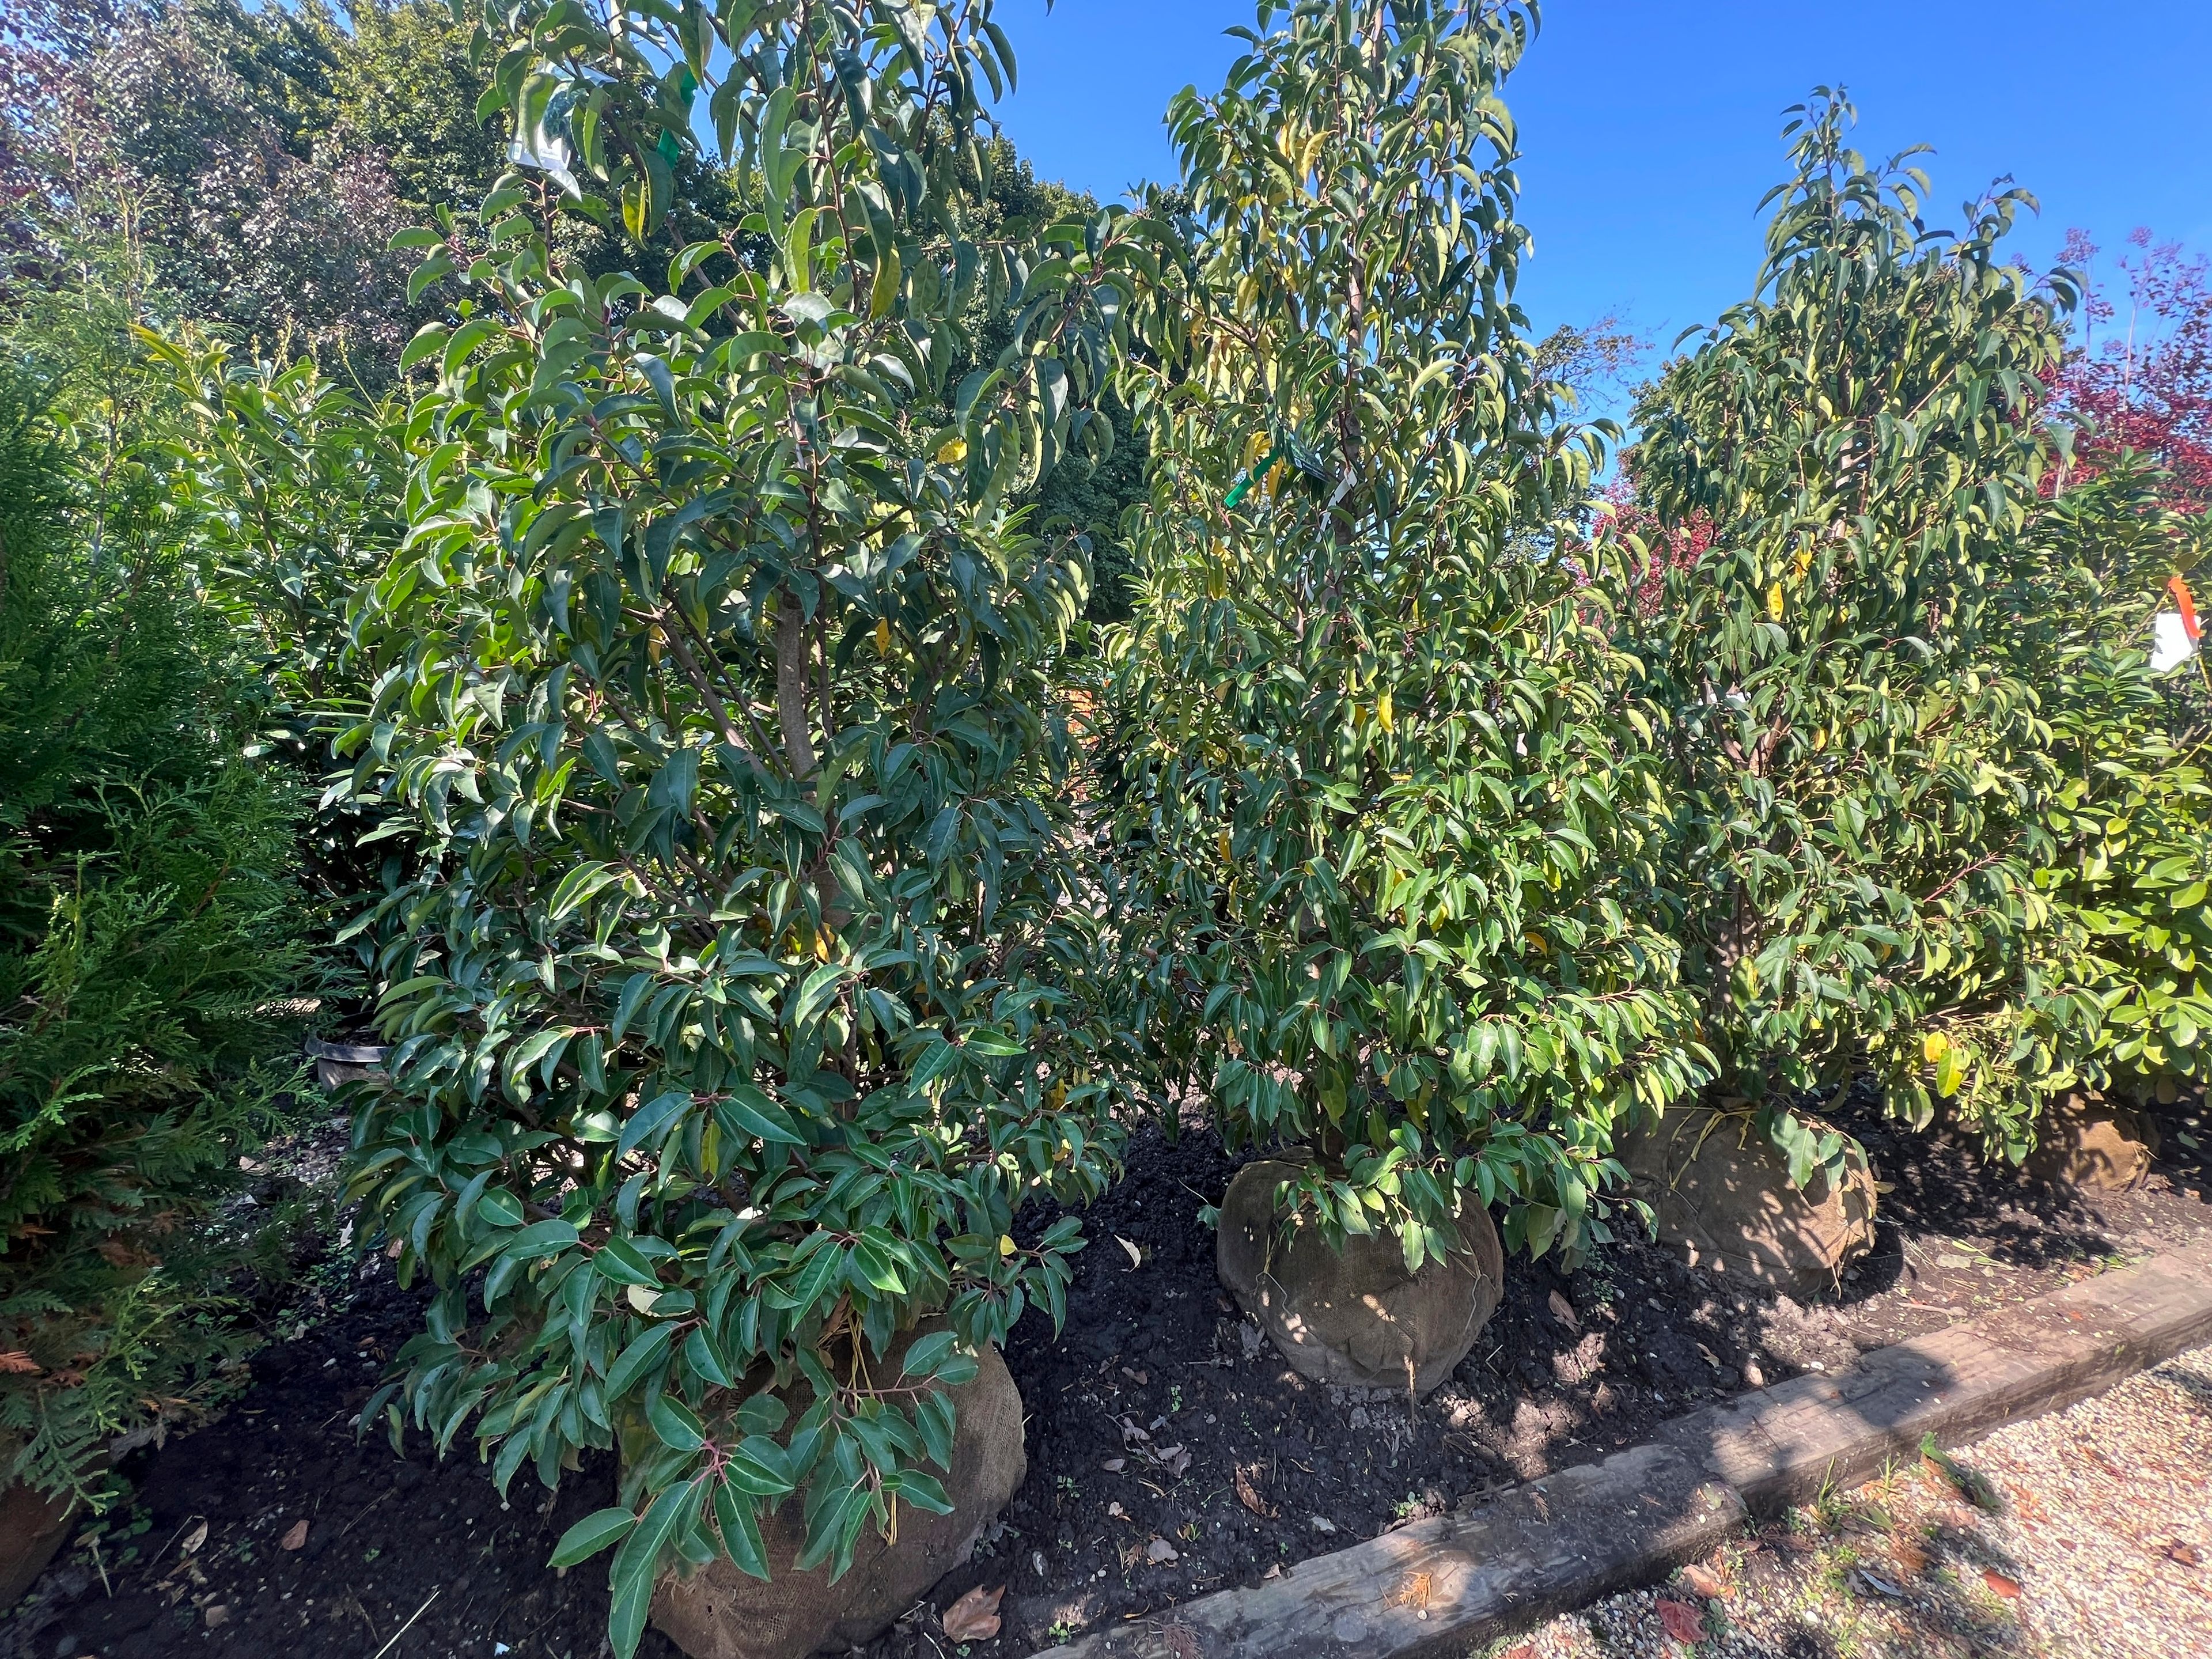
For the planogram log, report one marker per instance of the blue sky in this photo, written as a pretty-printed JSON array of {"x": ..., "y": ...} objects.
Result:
[{"x": 1649, "y": 127}]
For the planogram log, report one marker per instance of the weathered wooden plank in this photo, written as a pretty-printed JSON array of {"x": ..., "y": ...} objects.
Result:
[
  {"x": 1776, "y": 1446},
  {"x": 1414, "y": 1591},
  {"x": 1440, "y": 1585}
]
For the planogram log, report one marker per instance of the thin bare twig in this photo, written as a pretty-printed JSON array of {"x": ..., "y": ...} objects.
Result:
[{"x": 411, "y": 1618}]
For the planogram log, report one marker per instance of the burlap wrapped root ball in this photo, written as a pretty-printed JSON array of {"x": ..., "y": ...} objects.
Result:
[
  {"x": 720, "y": 1612},
  {"x": 1722, "y": 1199},
  {"x": 2094, "y": 1144},
  {"x": 1358, "y": 1318}
]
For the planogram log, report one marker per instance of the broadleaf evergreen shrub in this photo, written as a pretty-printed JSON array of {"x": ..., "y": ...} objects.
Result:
[
  {"x": 1871, "y": 659},
  {"x": 747, "y": 989},
  {"x": 2122, "y": 987},
  {"x": 1388, "y": 829}
]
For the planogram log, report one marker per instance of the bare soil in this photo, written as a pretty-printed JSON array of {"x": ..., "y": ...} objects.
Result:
[{"x": 1171, "y": 1451}]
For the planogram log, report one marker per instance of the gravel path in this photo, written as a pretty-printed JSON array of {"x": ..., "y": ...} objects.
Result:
[{"x": 2085, "y": 1534}]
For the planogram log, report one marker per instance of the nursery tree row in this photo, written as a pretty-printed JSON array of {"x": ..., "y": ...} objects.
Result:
[{"x": 773, "y": 875}]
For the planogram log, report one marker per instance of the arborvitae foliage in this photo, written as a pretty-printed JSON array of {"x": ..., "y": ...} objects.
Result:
[
  {"x": 148, "y": 934},
  {"x": 1388, "y": 827}
]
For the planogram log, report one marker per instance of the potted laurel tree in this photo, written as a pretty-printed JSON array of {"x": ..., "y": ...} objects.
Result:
[
  {"x": 1854, "y": 741},
  {"x": 1387, "y": 835},
  {"x": 744, "y": 994}
]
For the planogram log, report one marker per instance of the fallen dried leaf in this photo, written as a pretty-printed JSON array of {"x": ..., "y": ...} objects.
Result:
[
  {"x": 296, "y": 1537},
  {"x": 1705, "y": 1584},
  {"x": 1909, "y": 1555},
  {"x": 1159, "y": 1551},
  {"x": 1138, "y": 1377},
  {"x": 975, "y": 1616},
  {"x": 1115, "y": 1465},
  {"x": 193, "y": 1539},
  {"x": 2186, "y": 1555},
  {"x": 1880, "y": 1585},
  {"x": 1683, "y": 1622},
  {"x": 1275, "y": 1570},
  {"x": 217, "y": 1615},
  {"x": 1115, "y": 1510},
  {"x": 2004, "y": 1588},
  {"x": 1564, "y": 1311},
  {"x": 1136, "y": 1256},
  {"x": 1248, "y": 1495},
  {"x": 1526, "y": 1650}
]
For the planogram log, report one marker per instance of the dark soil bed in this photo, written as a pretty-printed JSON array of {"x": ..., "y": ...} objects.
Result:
[{"x": 1160, "y": 1425}]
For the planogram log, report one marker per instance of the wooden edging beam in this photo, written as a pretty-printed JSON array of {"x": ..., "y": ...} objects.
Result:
[{"x": 1443, "y": 1585}]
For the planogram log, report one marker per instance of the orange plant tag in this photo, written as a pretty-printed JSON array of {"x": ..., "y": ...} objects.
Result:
[{"x": 2186, "y": 603}]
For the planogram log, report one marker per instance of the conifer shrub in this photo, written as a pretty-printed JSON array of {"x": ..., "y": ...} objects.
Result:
[{"x": 150, "y": 940}]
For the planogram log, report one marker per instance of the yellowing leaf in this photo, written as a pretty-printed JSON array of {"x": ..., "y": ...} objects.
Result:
[
  {"x": 954, "y": 451},
  {"x": 1006, "y": 1247},
  {"x": 1934, "y": 1047},
  {"x": 882, "y": 637},
  {"x": 1774, "y": 601},
  {"x": 1382, "y": 713},
  {"x": 1221, "y": 843}
]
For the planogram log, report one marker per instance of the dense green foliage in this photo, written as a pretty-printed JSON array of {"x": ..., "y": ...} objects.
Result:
[
  {"x": 2125, "y": 967},
  {"x": 816, "y": 779},
  {"x": 743, "y": 996},
  {"x": 1391, "y": 832},
  {"x": 1859, "y": 675},
  {"x": 149, "y": 933}
]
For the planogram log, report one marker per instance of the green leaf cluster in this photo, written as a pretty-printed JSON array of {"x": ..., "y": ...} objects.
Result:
[
  {"x": 151, "y": 935},
  {"x": 747, "y": 983},
  {"x": 1906, "y": 664},
  {"x": 1388, "y": 833},
  {"x": 2121, "y": 998}
]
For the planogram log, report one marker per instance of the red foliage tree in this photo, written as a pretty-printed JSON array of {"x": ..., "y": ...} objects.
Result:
[
  {"x": 2140, "y": 378},
  {"x": 1667, "y": 547}
]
